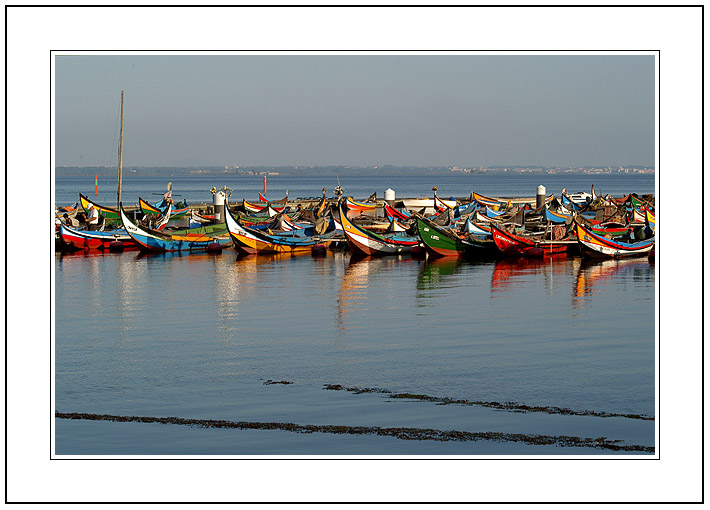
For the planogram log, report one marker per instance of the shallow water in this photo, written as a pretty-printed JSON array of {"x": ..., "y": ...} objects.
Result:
[{"x": 200, "y": 336}]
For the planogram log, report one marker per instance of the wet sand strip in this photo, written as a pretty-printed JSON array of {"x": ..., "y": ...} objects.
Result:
[
  {"x": 404, "y": 433},
  {"x": 505, "y": 406}
]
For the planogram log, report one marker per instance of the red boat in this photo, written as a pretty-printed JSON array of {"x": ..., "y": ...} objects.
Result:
[
  {"x": 75, "y": 239},
  {"x": 530, "y": 246}
]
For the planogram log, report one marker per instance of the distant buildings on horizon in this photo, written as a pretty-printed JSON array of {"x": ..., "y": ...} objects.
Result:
[
  {"x": 343, "y": 169},
  {"x": 557, "y": 170}
]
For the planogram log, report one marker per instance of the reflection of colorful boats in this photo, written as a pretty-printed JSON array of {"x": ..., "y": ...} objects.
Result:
[
  {"x": 508, "y": 271},
  {"x": 359, "y": 280},
  {"x": 368, "y": 243},
  {"x": 436, "y": 269},
  {"x": 595, "y": 273},
  {"x": 594, "y": 245}
]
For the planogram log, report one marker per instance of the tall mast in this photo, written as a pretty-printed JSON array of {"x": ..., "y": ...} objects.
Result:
[{"x": 120, "y": 154}]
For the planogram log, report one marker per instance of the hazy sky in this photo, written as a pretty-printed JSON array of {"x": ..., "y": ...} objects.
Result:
[{"x": 406, "y": 110}]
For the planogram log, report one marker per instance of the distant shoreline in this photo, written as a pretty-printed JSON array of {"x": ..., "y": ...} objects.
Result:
[{"x": 74, "y": 171}]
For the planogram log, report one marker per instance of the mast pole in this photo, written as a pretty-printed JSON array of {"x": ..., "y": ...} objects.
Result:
[{"x": 120, "y": 154}]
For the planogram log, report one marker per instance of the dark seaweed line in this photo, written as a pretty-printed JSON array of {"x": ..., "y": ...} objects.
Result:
[
  {"x": 404, "y": 433},
  {"x": 506, "y": 406}
]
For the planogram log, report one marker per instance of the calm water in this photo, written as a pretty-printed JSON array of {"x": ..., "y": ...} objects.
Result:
[
  {"x": 196, "y": 189},
  {"x": 200, "y": 337}
]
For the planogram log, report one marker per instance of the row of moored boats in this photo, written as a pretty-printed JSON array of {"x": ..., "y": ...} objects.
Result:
[{"x": 480, "y": 227}]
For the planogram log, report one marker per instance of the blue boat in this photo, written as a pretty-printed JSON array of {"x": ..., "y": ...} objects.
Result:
[{"x": 212, "y": 237}]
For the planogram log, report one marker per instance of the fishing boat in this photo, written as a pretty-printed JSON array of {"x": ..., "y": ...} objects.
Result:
[
  {"x": 640, "y": 202},
  {"x": 651, "y": 221},
  {"x": 492, "y": 213},
  {"x": 514, "y": 215},
  {"x": 423, "y": 202},
  {"x": 486, "y": 201},
  {"x": 72, "y": 238},
  {"x": 262, "y": 209},
  {"x": 464, "y": 210},
  {"x": 477, "y": 229},
  {"x": 444, "y": 242},
  {"x": 197, "y": 219},
  {"x": 638, "y": 215},
  {"x": 201, "y": 239},
  {"x": 440, "y": 205},
  {"x": 392, "y": 213},
  {"x": 564, "y": 215},
  {"x": 69, "y": 212},
  {"x": 579, "y": 198},
  {"x": 365, "y": 242},
  {"x": 107, "y": 212},
  {"x": 76, "y": 239},
  {"x": 510, "y": 243},
  {"x": 494, "y": 203},
  {"x": 320, "y": 210},
  {"x": 281, "y": 202},
  {"x": 570, "y": 204},
  {"x": 594, "y": 245},
  {"x": 433, "y": 205},
  {"x": 160, "y": 208},
  {"x": 250, "y": 241},
  {"x": 609, "y": 228},
  {"x": 369, "y": 205}
]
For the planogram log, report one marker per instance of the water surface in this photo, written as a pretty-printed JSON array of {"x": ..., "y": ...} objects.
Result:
[{"x": 200, "y": 336}]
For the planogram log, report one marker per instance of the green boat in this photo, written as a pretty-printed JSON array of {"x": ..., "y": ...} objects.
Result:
[{"x": 443, "y": 242}]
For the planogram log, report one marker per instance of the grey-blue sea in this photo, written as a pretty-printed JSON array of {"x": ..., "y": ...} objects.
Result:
[
  {"x": 197, "y": 336},
  {"x": 196, "y": 188}
]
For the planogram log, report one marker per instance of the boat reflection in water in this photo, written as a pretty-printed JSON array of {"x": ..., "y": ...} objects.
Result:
[
  {"x": 361, "y": 289},
  {"x": 510, "y": 273},
  {"x": 595, "y": 276},
  {"x": 434, "y": 272}
]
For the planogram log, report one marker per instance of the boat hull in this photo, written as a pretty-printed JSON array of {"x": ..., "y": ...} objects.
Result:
[
  {"x": 353, "y": 205},
  {"x": 250, "y": 241},
  {"x": 439, "y": 243},
  {"x": 364, "y": 242},
  {"x": 416, "y": 204},
  {"x": 595, "y": 246},
  {"x": 512, "y": 244},
  {"x": 92, "y": 240},
  {"x": 155, "y": 241},
  {"x": 107, "y": 212}
]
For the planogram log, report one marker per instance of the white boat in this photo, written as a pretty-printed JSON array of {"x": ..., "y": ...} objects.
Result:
[{"x": 416, "y": 204}]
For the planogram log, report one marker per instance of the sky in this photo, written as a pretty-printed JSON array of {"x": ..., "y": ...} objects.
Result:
[{"x": 358, "y": 110}]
